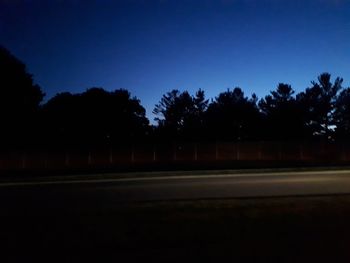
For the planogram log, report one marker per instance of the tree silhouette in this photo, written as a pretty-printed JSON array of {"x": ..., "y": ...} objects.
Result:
[
  {"x": 318, "y": 103},
  {"x": 342, "y": 115},
  {"x": 197, "y": 121},
  {"x": 96, "y": 117},
  {"x": 283, "y": 117},
  {"x": 200, "y": 103},
  {"x": 180, "y": 114},
  {"x": 19, "y": 99},
  {"x": 232, "y": 116},
  {"x": 172, "y": 109}
]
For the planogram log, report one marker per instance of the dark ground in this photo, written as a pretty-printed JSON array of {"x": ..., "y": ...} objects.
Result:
[{"x": 288, "y": 229}]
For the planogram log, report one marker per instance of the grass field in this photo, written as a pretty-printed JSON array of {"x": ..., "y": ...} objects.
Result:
[{"x": 289, "y": 229}]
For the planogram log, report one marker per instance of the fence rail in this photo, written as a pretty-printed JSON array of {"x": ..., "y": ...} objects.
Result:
[{"x": 177, "y": 152}]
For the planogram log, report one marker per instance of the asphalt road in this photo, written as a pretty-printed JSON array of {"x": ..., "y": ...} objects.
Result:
[
  {"x": 232, "y": 186},
  {"x": 94, "y": 194},
  {"x": 161, "y": 188},
  {"x": 193, "y": 218}
]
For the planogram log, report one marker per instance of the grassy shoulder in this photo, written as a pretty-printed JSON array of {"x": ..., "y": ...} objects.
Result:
[
  {"x": 293, "y": 229},
  {"x": 289, "y": 229}
]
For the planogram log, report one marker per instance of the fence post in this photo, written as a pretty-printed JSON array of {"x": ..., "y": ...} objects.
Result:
[
  {"x": 154, "y": 153},
  {"x": 132, "y": 153},
  {"x": 260, "y": 151},
  {"x": 110, "y": 156},
  {"x": 24, "y": 160},
  {"x": 174, "y": 153},
  {"x": 301, "y": 152},
  {"x": 66, "y": 159},
  {"x": 45, "y": 160},
  {"x": 195, "y": 152},
  {"x": 279, "y": 151},
  {"x": 344, "y": 153},
  {"x": 89, "y": 158}
]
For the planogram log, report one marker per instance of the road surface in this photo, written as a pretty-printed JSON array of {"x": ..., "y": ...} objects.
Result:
[
  {"x": 162, "y": 188},
  {"x": 192, "y": 219}
]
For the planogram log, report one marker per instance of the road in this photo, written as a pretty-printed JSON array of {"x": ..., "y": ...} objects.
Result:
[
  {"x": 91, "y": 194},
  {"x": 193, "y": 218},
  {"x": 159, "y": 188}
]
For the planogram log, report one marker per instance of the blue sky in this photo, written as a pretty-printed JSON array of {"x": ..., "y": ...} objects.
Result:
[{"x": 152, "y": 46}]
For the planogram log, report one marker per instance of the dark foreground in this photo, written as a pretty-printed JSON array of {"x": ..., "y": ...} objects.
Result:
[{"x": 70, "y": 223}]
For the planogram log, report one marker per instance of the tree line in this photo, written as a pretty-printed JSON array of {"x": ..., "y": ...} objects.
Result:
[{"x": 98, "y": 117}]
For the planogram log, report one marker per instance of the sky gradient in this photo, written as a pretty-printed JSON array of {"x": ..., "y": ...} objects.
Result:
[{"x": 152, "y": 46}]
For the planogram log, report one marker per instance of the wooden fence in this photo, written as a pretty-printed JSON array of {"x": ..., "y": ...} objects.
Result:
[{"x": 176, "y": 153}]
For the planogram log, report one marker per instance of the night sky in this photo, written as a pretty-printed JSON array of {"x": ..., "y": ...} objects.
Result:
[{"x": 150, "y": 47}]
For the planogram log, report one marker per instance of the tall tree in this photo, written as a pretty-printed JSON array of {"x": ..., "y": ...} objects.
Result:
[
  {"x": 342, "y": 115},
  {"x": 180, "y": 114},
  {"x": 195, "y": 122},
  {"x": 19, "y": 98},
  {"x": 318, "y": 102},
  {"x": 96, "y": 117},
  {"x": 232, "y": 116},
  {"x": 200, "y": 102},
  {"x": 283, "y": 119}
]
